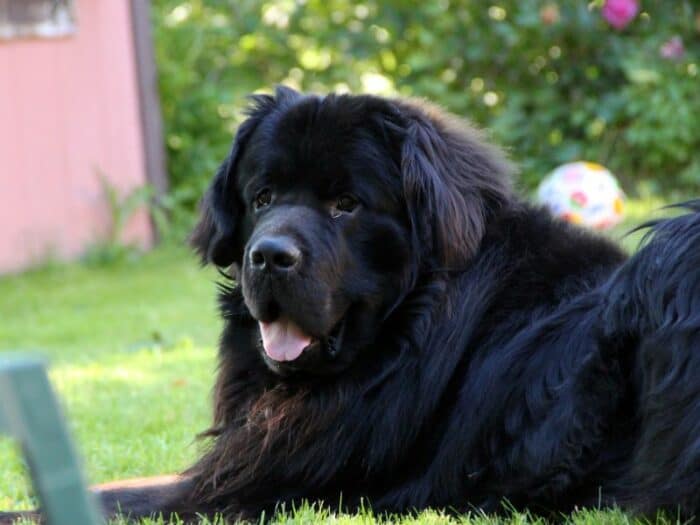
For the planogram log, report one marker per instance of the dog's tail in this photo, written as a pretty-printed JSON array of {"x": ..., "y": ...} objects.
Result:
[
  {"x": 660, "y": 282},
  {"x": 654, "y": 300}
]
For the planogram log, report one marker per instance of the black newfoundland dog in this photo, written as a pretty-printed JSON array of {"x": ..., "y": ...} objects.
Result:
[{"x": 402, "y": 329}]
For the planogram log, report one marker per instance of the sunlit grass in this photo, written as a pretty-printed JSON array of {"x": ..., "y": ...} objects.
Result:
[
  {"x": 308, "y": 514},
  {"x": 130, "y": 415},
  {"x": 132, "y": 354},
  {"x": 73, "y": 313}
]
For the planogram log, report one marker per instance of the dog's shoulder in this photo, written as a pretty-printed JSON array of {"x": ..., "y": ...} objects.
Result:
[
  {"x": 547, "y": 259},
  {"x": 531, "y": 232}
]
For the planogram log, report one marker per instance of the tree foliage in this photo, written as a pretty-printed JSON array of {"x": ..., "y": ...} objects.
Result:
[{"x": 552, "y": 81}]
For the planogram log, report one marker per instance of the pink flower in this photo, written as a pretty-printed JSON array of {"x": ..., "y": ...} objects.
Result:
[
  {"x": 672, "y": 49},
  {"x": 619, "y": 13},
  {"x": 549, "y": 14}
]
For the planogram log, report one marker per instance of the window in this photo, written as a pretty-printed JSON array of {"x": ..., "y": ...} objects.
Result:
[{"x": 38, "y": 18}]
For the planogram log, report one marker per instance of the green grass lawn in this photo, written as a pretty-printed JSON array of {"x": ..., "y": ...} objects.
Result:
[{"x": 132, "y": 353}]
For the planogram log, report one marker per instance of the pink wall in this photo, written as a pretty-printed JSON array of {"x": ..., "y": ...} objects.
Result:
[{"x": 69, "y": 109}]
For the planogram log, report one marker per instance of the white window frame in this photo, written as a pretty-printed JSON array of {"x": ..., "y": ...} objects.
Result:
[{"x": 36, "y": 18}]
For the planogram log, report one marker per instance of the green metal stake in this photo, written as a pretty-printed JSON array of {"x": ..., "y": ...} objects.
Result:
[{"x": 30, "y": 413}]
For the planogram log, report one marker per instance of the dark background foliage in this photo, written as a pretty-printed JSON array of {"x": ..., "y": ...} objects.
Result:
[{"x": 551, "y": 81}]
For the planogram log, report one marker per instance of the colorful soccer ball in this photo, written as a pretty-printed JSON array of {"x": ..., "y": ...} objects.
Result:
[{"x": 583, "y": 193}]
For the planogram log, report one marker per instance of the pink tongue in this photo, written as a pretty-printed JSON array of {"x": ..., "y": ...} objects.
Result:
[{"x": 283, "y": 340}]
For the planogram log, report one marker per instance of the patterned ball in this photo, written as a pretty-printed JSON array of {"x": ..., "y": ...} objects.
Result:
[{"x": 583, "y": 193}]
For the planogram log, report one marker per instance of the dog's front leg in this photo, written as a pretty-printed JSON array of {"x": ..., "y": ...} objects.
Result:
[
  {"x": 144, "y": 497},
  {"x": 134, "y": 499}
]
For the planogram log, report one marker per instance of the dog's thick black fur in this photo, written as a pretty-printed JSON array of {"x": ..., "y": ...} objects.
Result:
[{"x": 461, "y": 348}]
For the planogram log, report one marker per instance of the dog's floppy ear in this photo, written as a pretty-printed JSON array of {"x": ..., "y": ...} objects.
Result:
[
  {"x": 214, "y": 236},
  {"x": 452, "y": 182}
]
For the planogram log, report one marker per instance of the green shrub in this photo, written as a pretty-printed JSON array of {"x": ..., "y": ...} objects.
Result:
[{"x": 553, "y": 82}]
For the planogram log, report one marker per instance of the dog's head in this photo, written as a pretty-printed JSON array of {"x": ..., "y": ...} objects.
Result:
[{"x": 328, "y": 210}]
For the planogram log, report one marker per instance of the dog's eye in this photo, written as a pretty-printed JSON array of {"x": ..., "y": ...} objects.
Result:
[
  {"x": 262, "y": 199},
  {"x": 345, "y": 204}
]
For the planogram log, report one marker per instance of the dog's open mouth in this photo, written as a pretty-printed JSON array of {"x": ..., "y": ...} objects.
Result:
[{"x": 283, "y": 340}]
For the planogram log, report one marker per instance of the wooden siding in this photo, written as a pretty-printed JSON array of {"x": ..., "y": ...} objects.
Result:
[{"x": 69, "y": 109}]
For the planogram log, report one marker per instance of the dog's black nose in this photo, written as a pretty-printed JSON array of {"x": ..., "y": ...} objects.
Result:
[{"x": 274, "y": 253}]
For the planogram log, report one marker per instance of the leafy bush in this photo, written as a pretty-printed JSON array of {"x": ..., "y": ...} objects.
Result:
[{"x": 552, "y": 81}]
